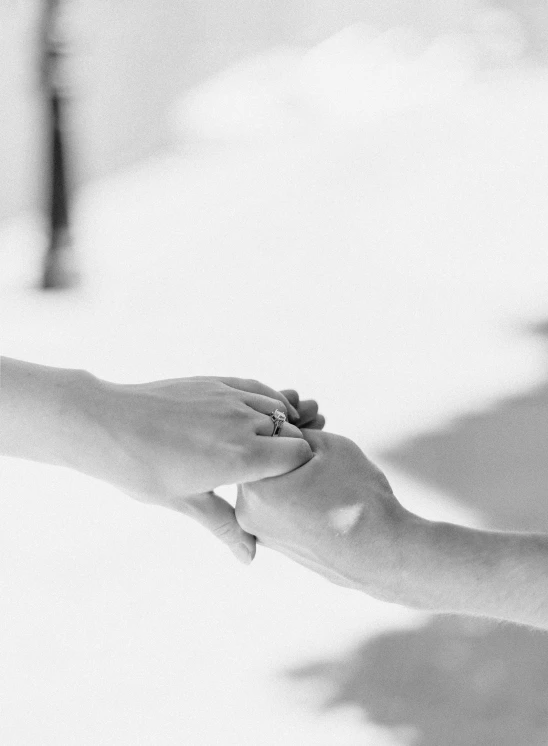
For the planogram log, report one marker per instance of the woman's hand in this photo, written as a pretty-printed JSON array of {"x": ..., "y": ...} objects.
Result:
[
  {"x": 172, "y": 442},
  {"x": 168, "y": 443}
]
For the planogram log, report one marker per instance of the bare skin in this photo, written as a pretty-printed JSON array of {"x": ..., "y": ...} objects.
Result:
[
  {"x": 338, "y": 516},
  {"x": 168, "y": 443}
]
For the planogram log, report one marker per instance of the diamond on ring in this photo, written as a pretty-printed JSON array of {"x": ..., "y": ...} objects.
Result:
[{"x": 278, "y": 418}]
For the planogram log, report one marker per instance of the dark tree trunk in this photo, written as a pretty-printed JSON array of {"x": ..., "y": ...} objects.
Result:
[
  {"x": 59, "y": 260},
  {"x": 58, "y": 201}
]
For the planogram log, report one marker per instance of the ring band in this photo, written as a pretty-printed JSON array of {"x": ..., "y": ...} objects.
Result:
[{"x": 278, "y": 418}]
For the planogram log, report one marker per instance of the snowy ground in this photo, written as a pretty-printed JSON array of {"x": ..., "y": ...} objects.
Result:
[{"x": 388, "y": 265}]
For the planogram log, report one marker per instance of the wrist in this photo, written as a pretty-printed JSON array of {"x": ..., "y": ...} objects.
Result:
[
  {"x": 108, "y": 419},
  {"x": 402, "y": 552},
  {"x": 45, "y": 412},
  {"x": 417, "y": 559},
  {"x": 81, "y": 436},
  {"x": 485, "y": 573},
  {"x": 446, "y": 566}
]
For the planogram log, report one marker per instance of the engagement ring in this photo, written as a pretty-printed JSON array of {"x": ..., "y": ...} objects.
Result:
[{"x": 278, "y": 418}]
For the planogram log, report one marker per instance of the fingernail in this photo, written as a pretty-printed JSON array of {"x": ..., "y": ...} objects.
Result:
[{"x": 242, "y": 554}]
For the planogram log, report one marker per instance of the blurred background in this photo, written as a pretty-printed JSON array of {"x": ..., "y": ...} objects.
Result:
[{"x": 343, "y": 198}]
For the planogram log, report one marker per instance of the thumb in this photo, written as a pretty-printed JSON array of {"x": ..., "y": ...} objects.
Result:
[
  {"x": 276, "y": 456},
  {"x": 218, "y": 516}
]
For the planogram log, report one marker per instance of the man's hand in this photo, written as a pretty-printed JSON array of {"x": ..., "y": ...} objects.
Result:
[
  {"x": 307, "y": 409},
  {"x": 337, "y": 515}
]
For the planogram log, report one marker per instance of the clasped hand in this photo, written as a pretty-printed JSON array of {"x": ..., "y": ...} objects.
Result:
[
  {"x": 313, "y": 496},
  {"x": 336, "y": 515},
  {"x": 173, "y": 442},
  {"x": 308, "y": 494}
]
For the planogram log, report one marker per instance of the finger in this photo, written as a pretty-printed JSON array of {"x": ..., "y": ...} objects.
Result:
[
  {"x": 264, "y": 404},
  {"x": 292, "y": 397},
  {"x": 256, "y": 387},
  {"x": 319, "y": 442},
  {"x": 218, "y": 516},
  {"x": 272, "y": 457},
  {"x": 308, "y": 411},
  {"x": 265, "y": 426},
  {"x": 317, "y": 424}
]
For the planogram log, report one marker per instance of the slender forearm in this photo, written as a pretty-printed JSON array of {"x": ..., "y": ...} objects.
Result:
[
  {"x": 503, "y": 575},
  {"x": 43, "y": 413}
]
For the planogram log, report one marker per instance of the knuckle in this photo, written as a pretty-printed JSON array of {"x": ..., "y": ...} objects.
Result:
[
  {"x": 224, "y": 531},
  {"x": 239, "y": 410},
  {"x": 313, "y": 407},
  {"x": 251, "y": 384},
  {"x": 223, "y": 391}
]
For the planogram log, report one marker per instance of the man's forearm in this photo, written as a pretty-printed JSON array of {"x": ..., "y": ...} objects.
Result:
[
  {"x": 42, "y": 413},
  {"x": 456, "y": 569}
]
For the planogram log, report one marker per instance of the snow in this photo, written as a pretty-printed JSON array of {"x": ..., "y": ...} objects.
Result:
[{"x": 388, "y": 265}]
